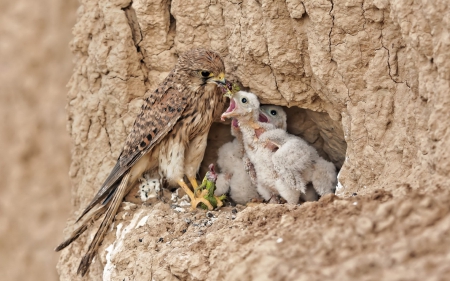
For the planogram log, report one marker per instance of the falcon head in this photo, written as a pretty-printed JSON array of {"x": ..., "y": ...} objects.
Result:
[
  {"x": 243, "y": 105},
  {"x": 273, "y": 114},
  {"x": 201, "y": 67}
]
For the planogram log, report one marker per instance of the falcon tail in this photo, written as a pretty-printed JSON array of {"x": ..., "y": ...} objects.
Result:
[
  {"x": 95, "y": 216},
  {"x": 107, "y": 189},
  {"x": 113, "y": 206},
  {"x": 106, "y": 193}
]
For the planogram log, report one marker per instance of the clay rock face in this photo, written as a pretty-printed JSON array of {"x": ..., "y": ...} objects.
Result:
[{"x": 366, "y": 82}]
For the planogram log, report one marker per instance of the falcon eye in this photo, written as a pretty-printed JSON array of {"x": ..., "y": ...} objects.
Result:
[
  {"x": 205, "y": 74},
  {"x": 244, "y": 100},
  {"x": 273, "y": 112}
]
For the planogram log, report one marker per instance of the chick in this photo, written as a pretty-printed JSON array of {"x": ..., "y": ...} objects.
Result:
[
  {"x": 245, "y": 108},
  {"x": 297, "y": 163},
  {"x": 233, "y": 177},
  {"x": 277, "y": 116},
  {"x": 237, "y": 175},
  {"x": 277, "y": 172}
]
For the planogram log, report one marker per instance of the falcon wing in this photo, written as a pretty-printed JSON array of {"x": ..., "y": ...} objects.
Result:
[{"x": 156, "y": 119}]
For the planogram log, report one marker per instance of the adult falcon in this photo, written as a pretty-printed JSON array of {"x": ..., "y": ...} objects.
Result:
[{"x": 170, "y": 134}]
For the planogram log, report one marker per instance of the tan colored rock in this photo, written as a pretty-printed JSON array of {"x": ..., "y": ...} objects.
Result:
[{"x": 370, "y": 80}]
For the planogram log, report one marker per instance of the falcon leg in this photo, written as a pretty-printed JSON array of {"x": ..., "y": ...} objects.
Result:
[
  {"x": 194, "y": 200},
  {"x": 194, "y": 183}
]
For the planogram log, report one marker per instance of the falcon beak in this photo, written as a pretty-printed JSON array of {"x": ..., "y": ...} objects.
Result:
[{"x": 219, "y": 79}]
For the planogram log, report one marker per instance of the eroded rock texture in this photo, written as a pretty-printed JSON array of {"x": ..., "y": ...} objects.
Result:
[{"x": 371, "y": 79}]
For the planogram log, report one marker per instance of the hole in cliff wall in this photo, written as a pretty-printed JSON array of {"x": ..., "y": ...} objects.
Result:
[{"x": 317, "y": 128}]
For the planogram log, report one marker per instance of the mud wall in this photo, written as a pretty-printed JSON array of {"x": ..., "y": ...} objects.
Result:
[{"x": 374, "y": 75}]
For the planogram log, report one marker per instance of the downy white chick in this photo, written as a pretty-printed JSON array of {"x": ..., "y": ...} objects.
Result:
[
  {"x": 277, "y": 116},
  {"x": 285, "y": 176},
  {"x": 297, "y": 163},
  {"x": 237, "y": 172},
  {"x": 244, "y": 107}
]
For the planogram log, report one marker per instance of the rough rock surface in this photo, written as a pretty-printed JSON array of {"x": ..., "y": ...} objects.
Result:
[
  {"x": 375, "y": 237},
  {"x": 372, "y": 80},
  {"x": 35, "y": 65}
]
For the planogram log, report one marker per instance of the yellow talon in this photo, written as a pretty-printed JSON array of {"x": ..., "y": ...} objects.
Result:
[{"x": 195, "y": 200}]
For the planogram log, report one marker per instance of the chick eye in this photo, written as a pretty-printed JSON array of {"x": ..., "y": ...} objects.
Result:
[
  {"x": 205, "y": 74},
  {"x": 244, "y": 100},
  {"x": 273, "y": 112}
]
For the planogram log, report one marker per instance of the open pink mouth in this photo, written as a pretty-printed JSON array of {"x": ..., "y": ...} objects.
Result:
[
  {"x": 229, "y": 109},
  {"x": 263, "y": 118}
]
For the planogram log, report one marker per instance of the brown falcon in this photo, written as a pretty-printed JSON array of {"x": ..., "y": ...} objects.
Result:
[{"x": 170, "y": 134}]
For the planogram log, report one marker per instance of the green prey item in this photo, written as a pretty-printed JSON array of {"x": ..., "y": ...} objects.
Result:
[
  {"x": 230, "y": 88},
  {"x": 207, "y": 189}
]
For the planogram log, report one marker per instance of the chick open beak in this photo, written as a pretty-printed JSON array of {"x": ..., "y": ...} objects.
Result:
[
  {"x": 219, "y": 79},
  {"x": 230, "y": 110}
]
